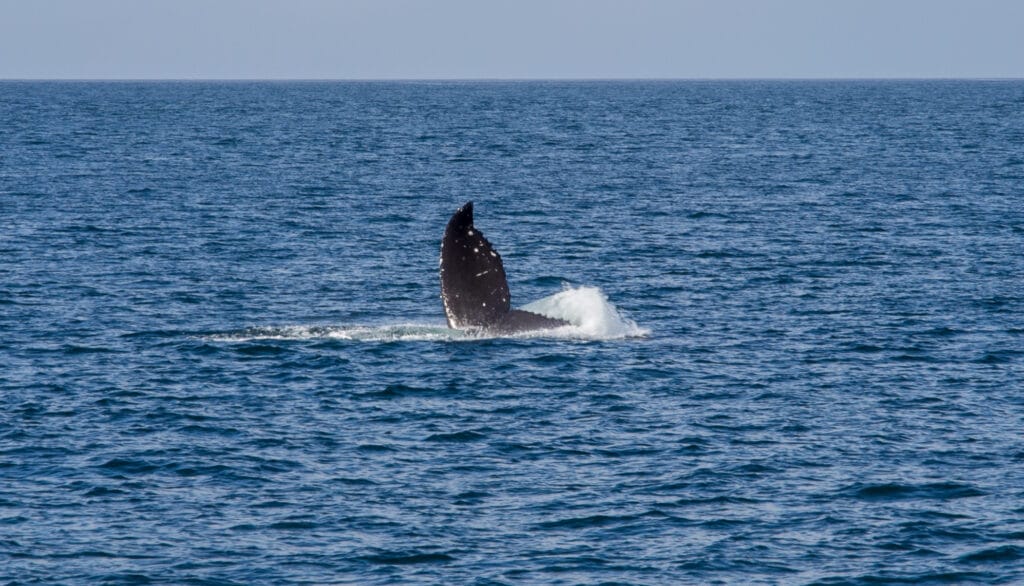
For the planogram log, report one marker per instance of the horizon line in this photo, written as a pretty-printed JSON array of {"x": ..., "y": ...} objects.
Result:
[{"x": 502, "y": 79}]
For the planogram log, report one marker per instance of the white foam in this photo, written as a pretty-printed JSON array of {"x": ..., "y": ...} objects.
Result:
[
  {"x": 388, "y": 333},
  {"x": 587, "y": 309},
  {"x": 592, "y": 316}
]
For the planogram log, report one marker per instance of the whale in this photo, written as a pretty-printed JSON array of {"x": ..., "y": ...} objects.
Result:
[{"x": 474, "y": 288}]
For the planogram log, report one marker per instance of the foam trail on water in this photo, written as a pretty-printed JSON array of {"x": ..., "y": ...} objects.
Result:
[
  {"x": 591, "y": 315},
  {"x": 388, "y": 333}
]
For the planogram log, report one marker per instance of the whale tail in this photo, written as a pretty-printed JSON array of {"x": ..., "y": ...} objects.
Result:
[{"x": 474, "y": 287}]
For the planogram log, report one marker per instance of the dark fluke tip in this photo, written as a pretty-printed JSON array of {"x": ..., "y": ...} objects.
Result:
[{"x": 462, "y": 218}]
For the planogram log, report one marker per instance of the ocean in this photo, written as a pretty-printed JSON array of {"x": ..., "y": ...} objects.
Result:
[{"x": 796, "y": 353}]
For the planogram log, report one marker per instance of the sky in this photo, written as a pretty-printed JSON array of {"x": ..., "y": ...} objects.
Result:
[{"x": 513, "y": 39}]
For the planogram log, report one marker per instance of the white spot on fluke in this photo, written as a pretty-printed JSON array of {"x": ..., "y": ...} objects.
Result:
[
  {"x": 485, "y": 304},
  {"x": 470, "y": 232},
  {"x": 494, "y": 253},
  {"x": 476, "y": 250}
]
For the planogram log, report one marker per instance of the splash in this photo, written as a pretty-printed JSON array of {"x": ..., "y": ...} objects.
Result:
[{"x": 590, "y": 315}]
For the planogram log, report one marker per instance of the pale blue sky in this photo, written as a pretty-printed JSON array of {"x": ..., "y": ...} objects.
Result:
[{"x": 401, "y": 39}]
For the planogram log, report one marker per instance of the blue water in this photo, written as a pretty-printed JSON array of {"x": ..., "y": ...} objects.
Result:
[{"x": 798, "y": 350}]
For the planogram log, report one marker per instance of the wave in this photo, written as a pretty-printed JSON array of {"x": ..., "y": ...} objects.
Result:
[{"x": 587, "y": 309}]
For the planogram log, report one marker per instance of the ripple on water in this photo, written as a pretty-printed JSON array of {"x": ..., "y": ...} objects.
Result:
[{"x": 795, "y": 351}]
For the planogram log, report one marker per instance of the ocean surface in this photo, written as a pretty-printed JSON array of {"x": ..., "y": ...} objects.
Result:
[{"x": 797, "y": 351}]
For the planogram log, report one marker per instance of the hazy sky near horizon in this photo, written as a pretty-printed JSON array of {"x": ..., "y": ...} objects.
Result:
[{"x": 430, "y": 39}]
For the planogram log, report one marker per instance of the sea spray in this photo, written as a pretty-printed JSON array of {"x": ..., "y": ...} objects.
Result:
[{"x": 591, "y": 314}]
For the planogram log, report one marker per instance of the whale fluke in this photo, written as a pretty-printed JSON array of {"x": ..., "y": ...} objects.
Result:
[{"x": 474, "y": 288}]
